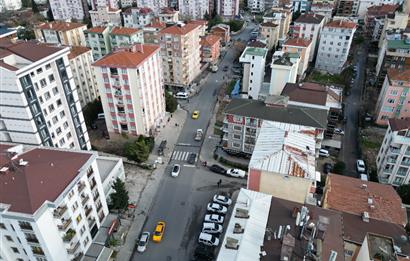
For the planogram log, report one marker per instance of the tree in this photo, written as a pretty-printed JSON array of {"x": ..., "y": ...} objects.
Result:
[
  {"x": 404, "y": 193},
  {"x": 235, "y": 25},
  {"x": 50, "y": 16},
  {"x": 137, "y": 150},
  {"x": 26, "y": 3},
  {"x": 119, "y": 198},
  {"x": 25, "y": 34},
  {"x": 339, "y": 167},
  {"x": 91, "y": 111},
  {"x": 87, "y": 21},
  {"x": 171, "y": 103},
  {"x": 34, "y": 7}
]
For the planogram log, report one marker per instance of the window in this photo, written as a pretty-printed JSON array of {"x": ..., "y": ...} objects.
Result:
[
  {"x": 2, "y": 226},
  {"x": 9, "y": 238},
  {"x": 58, "y": 130},
  {"x": 55, "y": 90},
  {"x": 390, "y": 100},
  {"x": 237, "y": 128},
  {"x": 59, "y": 103},
  {"x": 47, "y": 96},
  {"x": 15, "y": 250},
  {"x": 78, "y": 219},
  {"x": 86, "y": 241},
  {"x": 54, "y": 119},
  {"x": 236, "y": 145},
  {"x": 51, "y": 108},
  {"x": 124, "y": 71},
  {"x": 39, "y": 70},
  {"x": 237, "y": 136},
  {"x": 82, "y": 230},
  {"x": 69, "y": 135},
  {"x": 51, "y": 78},
  {"x": 43, "y": 83}
]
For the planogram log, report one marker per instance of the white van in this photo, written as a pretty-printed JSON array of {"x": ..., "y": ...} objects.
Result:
[
  {"x": 211, "y": 228},
  {"x": 324, "y": 153},
  {"x": 208, "y": 239},
  {"x": 181, "y": 95},
  {"x": 100, "y": 116}
]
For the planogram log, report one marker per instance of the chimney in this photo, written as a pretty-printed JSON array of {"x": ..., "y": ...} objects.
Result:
[
  {"x": 363, "y": 186},
  {"x": 137, "y": 48},
  {"x": 365, "y": 217}
]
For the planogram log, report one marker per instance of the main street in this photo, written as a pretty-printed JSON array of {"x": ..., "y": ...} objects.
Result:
[{"x": 181, "y": 201}]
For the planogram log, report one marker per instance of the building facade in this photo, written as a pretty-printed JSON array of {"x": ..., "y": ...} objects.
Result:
[
  {"x": 39, "y": 99},
  {"x": 302, "y": 47},
  {"x": 393, "y": 159},
  {"x": 104, "y": 15},
  {"x": 151, "y": 32},
  {"x": 69, "y": 9},
  {"x": 223, "y": 31},
  {"x": 334, "y": 46},
  {"x": 9, "y": 5},
  {"x": 269, "y": 32},
  {"x": 181, "y": 54},
  {"x": 65, "y": 33},
  {"x": 324, "y": 9},
  {"x": 81, "y": 59},
  {"x": 168, "y": 15},
  {"x": 123, "y": 37},
  {"x": 132, "y": 83},
  {"x": 99, "y": 40},
  {"x": 285, "y": 67},
  {"x": 347, "y": 8},
  {"x": 193, "y": 9},
  {"x": 135, "y": 17},
  {"x": 154, "y": 5},
  {"x": 375, "y": 18},
  {"x": 227, "y": 9},
  {"x": 210, "y": 48},
  {"x": 253, "y": 62},
  {"x": 281, "y": 17}
]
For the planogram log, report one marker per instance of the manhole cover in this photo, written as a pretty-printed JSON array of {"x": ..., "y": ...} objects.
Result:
[{"x": 183, "y": 203}]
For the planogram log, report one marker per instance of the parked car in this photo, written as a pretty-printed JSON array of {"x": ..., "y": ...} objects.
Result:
[
  {"x": 211, "y": 228},
  {"x": 324, "y": 153},
  {"x": 159, "y": 232},
  {"x": 175, "y": 170},
  {"x": 182, "y": 95},
  {"x": 237, "y": 173},
  {"x": 191, "y": 158},
  {"x": 143, "y": 242},
  {"x": 223, "y": 200},
  {"x": 214, "y": 218},
  {"x": 327, "y": 167},
  {"x": 360, "y": 166},
  {"x": 204, "y": 252},
  {"x": 339, "y": 131},
  {"x": 217, "y": 169},
  {"x": 216, "y": 208},
  {"x": 208, "y": 239}
]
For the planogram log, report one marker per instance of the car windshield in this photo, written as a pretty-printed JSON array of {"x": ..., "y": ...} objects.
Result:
[
  {"x": 175, "y": 169},
  {"x": 142, "y": 242},
  {"x": 157, "y": 233}
]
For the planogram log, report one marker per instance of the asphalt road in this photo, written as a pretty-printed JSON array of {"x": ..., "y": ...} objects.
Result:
[
  {"x": 353, "y": 102},
  {"x": 181, "y": 201}
]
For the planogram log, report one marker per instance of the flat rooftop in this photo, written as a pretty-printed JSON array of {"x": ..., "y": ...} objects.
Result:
[{"x": 255, "y": 51}]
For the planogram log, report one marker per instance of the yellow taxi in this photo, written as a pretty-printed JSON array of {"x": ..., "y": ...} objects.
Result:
[
  {"x": 195, "y": 115},
  {"x": 159, "y": 232}
]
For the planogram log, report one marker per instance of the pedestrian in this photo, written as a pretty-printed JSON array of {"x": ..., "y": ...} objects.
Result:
[
  {"x": 219, "y": 183},
  {"x": 171, "y": 115}
]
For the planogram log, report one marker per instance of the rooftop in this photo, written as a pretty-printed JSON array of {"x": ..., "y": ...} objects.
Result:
[
  {"x": 156, "y": 24},
  {"x": 128, "y": 57},
  {"x": 180, "y": 29},
  {"x": 306, "y": 92},
  {"x": 302, "y": 42},
  {"x": 6, "y": 31},
  {"x": 287, "y": 152},
  {"x": 399, "y": 74},
  {"x": 269, "y": 24},
  {"x": 60, "y": 26},
  {"x": 311, "y": 117},
  {"x": 310, "y": 19},
  {"x": 36, "y": 175},
  {"x": 356, "y": 196},
  {"x": 257, "y": 44},
  {"x": 341, "y": 24},
  {"x": 381, "y": 10},
  {"x": 77, "y": 50},
  {"x": 255, "y": 51},
  {"x": 399, "y": 124},
  {"x": 97, "y": 29},
  {"x": 210, "y": 40},
  {"x": 398, "y": 44},
  {"x": 168, "y": 10},
  {"x": 124, "y": 31}
]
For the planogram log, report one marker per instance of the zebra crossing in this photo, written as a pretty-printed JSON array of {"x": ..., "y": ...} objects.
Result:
[{"x": 180, "y": 155}]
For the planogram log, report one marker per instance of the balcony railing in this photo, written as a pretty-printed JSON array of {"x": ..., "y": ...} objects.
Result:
[
  {"x": 91, "y": 222},
  {"x": 59, "y": 212},
  {"x": 74, "y": 248},
  {"x": 394, "y": 150},
  {"x": 26, "y": 227},
  {"x": 405, "y": 163},
  {"x": 99, "y": 208},
  {"x": 64, "y": 224},
  {"x": 388, "y": 171},
  {"x": 69, "y": 236},
  {"x": 96, "y": 196},
  {"x": 33, "y": 241},
  {"x": 87, "y": 211},
  {"x": 391, "y": 160},
  {"x": 85, "y": 199},
  {"x": 81, "y": 186}
]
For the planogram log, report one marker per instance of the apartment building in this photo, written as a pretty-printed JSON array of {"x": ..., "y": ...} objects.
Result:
[
  {"x": 99, "y": 40},
  {"x": 347, "y": 8},
  {"x": 154, "y": 5},
  {"x": 105, "y": 3},
  {"x": 9, "y": 5},
  {"x": 38, "y": 97},
  {"x": 104, "y": 15},
  {"x": 53, "y": 201},
  {"x": 123, "y": 37},
  {"x": 131, "y": 82},
  {"x": 393, "y": 159},
  {"x": 253, "y": 61},
  {"x": 203, "y": 26},
  {"x": 302, "y": 47},
  {"x": 334, "y": 46},
  {"x": 66, "y": 10},
  {"x": 394, "y": 97},
  {"x": 269, "y": 32},
  {"x": 151, "y": 32},
  {"x": 223, "y": 31},
  {"x": 193, "y": 9},
  {"x": 364, "y": 5},
  {"x": 168, "y": 15},
  {"x": 309, "y": 26},
  {"x": 61, "y": 33},
  {"x": 395, "y": 22},
  {"x": 227, "y": 9},
  {"x": 284, "y": 69},
  {"x": 210, "y": 48},
  {"x": 81, "y": 59},
  {"x": 243, "y": 119},
  {"x": 135, "y": 17},
  {"x": 324, "y": 9},
  {"x": 375, "y": 18},
  {"x": 281, "y": 17},
  {"x": 302, "y": 6},
  {"x": 181, "y": 54}
]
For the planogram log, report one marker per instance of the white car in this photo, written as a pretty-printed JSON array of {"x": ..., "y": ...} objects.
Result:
[
  {"x": 217, "y": 208},
  {"x": 143, "y": 242},
  {"x": 360, "y": 166},
  {"x": 237, "y": 173},
  {"x": 208, "y": 239},
  {"x": 175, "y": 170},
  {"x": 214, "y": 218},
  {"x": 211, "y": 228},
  {"x": 339, "y": 131},
  {"x": 324, "y": 153},
  {"x": 223, "y": 200}
]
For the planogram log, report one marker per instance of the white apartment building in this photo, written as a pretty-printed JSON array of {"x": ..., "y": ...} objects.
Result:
[
  {"x": 10, "y": 5},
  {"x": 285, "y": 68},
  {"x": 168, "y": 15},
  {"x": 104, "y": 15},
  {"x": 69, "y": 9},
  {"x": 302, "y": 47},
  {"x": 301, "y": 6},
  {"x": 227, "y": 9},
  {"x": 127, "y": 3},
  {"x": 181, "y": 54},
  {"x": 38, "y": 99},
  {"x": 324, "y": 9},
  {"x": 364, "y": 4},
  {"x": 135, "y": 17},
  {"x": 193, "y": 9},
  {"x": 81, "y": 59},
  {"x": 335, "y": 40},
  {"x": 393, "y": 160},
  {"x": 122, "y": 37},
  {"x": 309, "y": 26},
  {"x": 58, "y": 32},
  {"x": 131, "y": 86},
  {"x": 99, "y": 40},
  {"x": 52, "y": 201},
  {"x": 253, "y": 61},
  {"x": 154, "y": 5},
  {"x": 105, "y": 3}
]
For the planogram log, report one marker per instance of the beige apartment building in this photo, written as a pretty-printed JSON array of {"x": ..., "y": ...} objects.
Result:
[
  {"x": 181, "y": 54},
  {"x": 61, "y": 33},
  {"x": 270, "y": 33}
]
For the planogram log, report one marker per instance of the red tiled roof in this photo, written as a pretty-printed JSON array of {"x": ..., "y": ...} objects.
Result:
[
  {"x": 210, "y": 40},
  {"x": 44, "y": 178},
  {"x": 377, "y": 10},
  {"x": 399, "y": 74},
  {"x": 32, "y": 50},
  {"x": 124, "y": 31},
  {"x": 257, "y": 44},
  {"x": 269, "y": 24},
  {"x": 341, "y": 24},
  {"x": 60, "y": 26},
  {"x": 310, "y": 19},
  {"x": 399, "y": 124},
  {"x": 126, "y": 58},
  {"x": 77, "y": 50},
  {"x": 298, "y": 42},
  {"x": 145, "y": 10},
  {"x": 157, "y": 24},
  {"x": 180, "y": 30},
  {"x": 348, "y": 194},
  {"x": 97, "y": 30},
  {"x": 168, "y": 10},
  {"x": 307, "y": 92},
  {"x": 199, "y": 21}
]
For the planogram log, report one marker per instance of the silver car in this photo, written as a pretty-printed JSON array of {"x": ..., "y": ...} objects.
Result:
[{"x": 143, "y": 242}]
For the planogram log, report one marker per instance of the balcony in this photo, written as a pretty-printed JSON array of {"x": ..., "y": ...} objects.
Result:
[
  {"x": 392, "y": 160},
  {"x": 88, "y": 211},
  {"x": 74, "y": 248},
  {"x": 394, "y": 150},
  {"x": 85, "y": 199},
  {"x": 64, "y": 225},
  {"x": 405, "y": 162},
  {"x": 91, "y": 222},
  {"x": 80, "y": 187},
  {"x": 407, "y": 152},
  {"x": 99, "y": 208},
  {"x": 96, "y": 196},
  {"x": 32, "y": 241},
  {"x": 38, "y": 252},
  {"x": 225, "y": 136},
  {"x": 388, "y": 171},
  {"x": 90, "y": 172},
  {"x": 69, "y": 235},
  {"x": 93, "y": 184},
  {"x": 26, "y": 228}
]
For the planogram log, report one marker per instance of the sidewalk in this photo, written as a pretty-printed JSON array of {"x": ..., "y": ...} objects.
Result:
[{"x": 146, "y": 196}]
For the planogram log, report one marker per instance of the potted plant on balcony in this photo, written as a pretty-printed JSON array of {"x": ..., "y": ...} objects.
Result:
[{"x": 69, "y": 235}]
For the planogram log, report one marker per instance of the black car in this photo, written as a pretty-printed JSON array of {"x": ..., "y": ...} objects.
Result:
[
  {"x": 203, "y": 252},
  {"x": 217, "y": 169},
  {"x": 226, "y": 68},
  {"x": 327, "y": 167},
  {"x": 191, "y": 158}
]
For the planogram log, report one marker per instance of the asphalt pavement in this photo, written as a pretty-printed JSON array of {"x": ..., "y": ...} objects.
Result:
[{"x": 181, "y": 202}]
